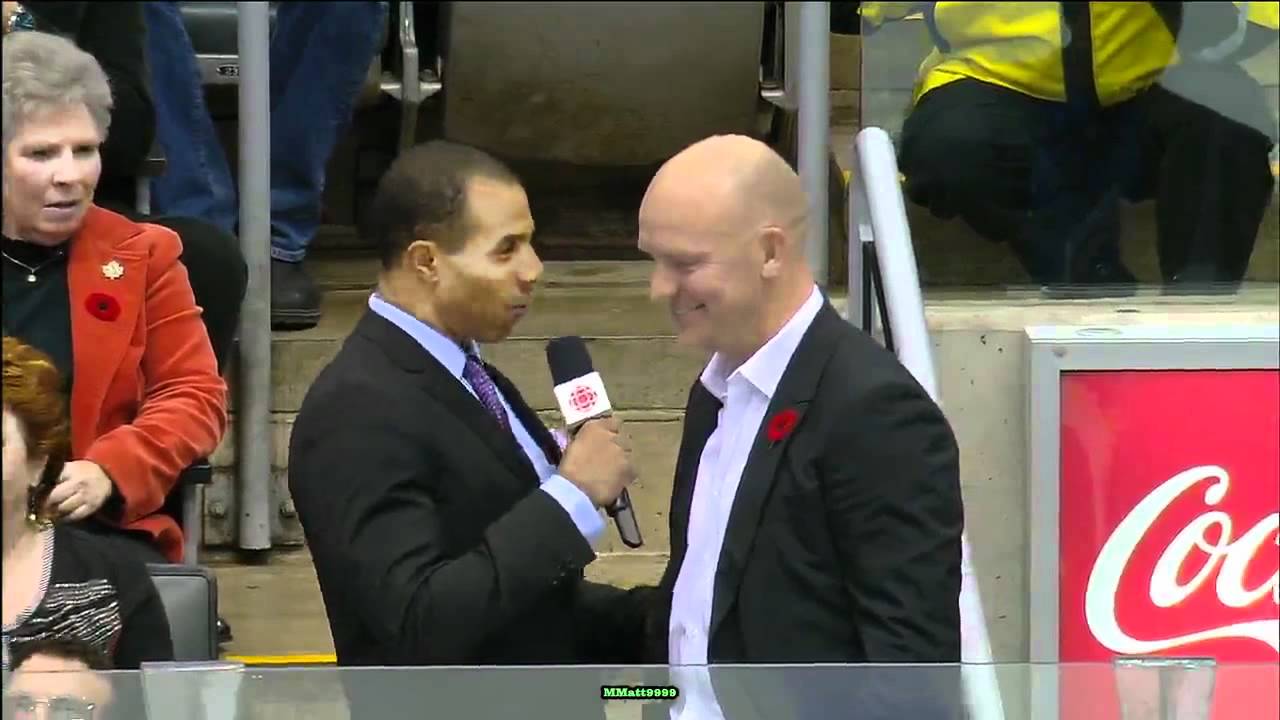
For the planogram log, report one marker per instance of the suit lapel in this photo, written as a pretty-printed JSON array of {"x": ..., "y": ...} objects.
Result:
[
  {"x": 447, "y": 389},
  {"x": 107, "y": 285},
  {"x": 796, "y": 389},
  {"x": 526, "y": 416}
]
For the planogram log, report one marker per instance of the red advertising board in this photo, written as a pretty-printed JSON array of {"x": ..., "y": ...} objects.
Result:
[{"x": 1169, "y": 509}]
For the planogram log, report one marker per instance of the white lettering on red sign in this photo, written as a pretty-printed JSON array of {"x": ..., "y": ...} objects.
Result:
[{"x": 1228, "y": 555}]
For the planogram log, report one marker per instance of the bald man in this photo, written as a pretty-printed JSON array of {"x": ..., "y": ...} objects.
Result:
[{"x": 816, "y": 512}]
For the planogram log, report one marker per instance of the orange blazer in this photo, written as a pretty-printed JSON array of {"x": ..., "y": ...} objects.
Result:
[{"x": 147, "y": 399}]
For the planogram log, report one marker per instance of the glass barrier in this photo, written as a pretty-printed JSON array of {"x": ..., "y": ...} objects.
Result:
[
  {"x": 1083, "y": 149},
  {"x": 1128, "y": 689}
]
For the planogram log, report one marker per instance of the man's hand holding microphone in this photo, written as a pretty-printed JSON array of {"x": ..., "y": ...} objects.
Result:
[
  {"x": 598, "y": 461},
  {"x": 597, "y": 458}
]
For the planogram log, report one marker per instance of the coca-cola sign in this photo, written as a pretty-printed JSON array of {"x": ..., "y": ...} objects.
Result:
[{"x": 1169, "y": 524}]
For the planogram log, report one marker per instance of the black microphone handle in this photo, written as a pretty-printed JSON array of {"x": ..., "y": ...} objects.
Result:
[
  {"x": 625, "y": 518},
  {"x": 621, "y": 510}
]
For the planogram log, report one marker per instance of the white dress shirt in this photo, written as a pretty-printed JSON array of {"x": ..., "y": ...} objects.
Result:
[
  {"x": 581, "y": 510},
  {"x": 745, "y": 394}
]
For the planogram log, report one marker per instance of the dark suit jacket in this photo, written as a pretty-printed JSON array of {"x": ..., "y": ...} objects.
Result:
[
  {"x": 843, "y": 543},
  {"x": 431, "y": 540}
]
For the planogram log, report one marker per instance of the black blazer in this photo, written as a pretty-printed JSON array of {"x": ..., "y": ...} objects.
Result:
[
  {"x": 843, "y": 543},
  {"x": 431, "y": 541}
]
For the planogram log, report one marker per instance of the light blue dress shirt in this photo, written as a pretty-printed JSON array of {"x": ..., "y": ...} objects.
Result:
[{"x": 451, "y": 356}]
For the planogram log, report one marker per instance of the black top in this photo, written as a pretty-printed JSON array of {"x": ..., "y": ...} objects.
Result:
[
  {"x": 115, "y": 35},
  {"x": 97, "y": 594},
  {"x": 39, "y": 312}
]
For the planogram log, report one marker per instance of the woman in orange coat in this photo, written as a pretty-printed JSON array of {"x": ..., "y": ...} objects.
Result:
[{"x": 106, "y": 298}]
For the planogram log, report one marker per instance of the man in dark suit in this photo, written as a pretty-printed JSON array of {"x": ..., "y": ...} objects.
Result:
[
  {"x": 816, "y": 512},
  {"x": 446, "y": 526}
]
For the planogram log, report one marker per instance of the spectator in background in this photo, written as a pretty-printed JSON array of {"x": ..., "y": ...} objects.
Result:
[
  {"x": 320, "y": 55},
  {"x": 70, "y": 680},
  {"x": 59, "y": 582},
  {"x": 106, "y": 299},
  {"x": 62, "y": 678},
  {"x": 1032, "y": 121},
  {"x": 114, "y": 34}
]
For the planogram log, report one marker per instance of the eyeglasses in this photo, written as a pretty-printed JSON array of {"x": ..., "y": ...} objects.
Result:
[{"x": 21, "y": 706}]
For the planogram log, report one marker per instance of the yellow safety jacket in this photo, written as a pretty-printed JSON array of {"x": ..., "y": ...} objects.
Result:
[{"x": 1019, "y": 45}]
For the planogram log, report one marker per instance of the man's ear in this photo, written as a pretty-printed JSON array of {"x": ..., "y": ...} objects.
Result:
[
  {"x": 422, "y": 257},
  {"x": 774, "y": 244}
]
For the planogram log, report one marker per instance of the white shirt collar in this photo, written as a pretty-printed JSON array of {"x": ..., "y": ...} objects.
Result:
[{"x": 764, "y": 369}]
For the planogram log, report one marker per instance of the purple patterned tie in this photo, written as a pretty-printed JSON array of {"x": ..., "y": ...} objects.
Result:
[{"x": 479, "y": 379}]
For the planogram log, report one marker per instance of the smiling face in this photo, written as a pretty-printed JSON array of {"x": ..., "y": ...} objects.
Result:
[
  {"x": 710, "y": 263},
  {"x": 51, "y": 169},
  {"x": 720, "y": 221},
  {"x": 712, "y": 285},
  {"x": 485, "y": 286}
]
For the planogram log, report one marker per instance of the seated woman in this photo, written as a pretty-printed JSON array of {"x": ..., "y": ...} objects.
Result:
[
  {"x": 107, "y": 299},
  {"x": 115, "y": 35},
  {"x": 60, "y": 582}
]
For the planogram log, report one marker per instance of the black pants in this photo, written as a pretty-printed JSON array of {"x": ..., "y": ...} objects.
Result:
[
  {"x": 218, "y": 276},
  {"x": 1048, "y": 179}
]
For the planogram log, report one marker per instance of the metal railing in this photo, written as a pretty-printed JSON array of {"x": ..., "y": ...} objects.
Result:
[
  {"x": 253, "y": 371},
  {"x": 812, "y": 48},
  {"x": 883, "y": 264}
]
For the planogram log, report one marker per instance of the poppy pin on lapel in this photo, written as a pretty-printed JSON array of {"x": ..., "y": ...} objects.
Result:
[
  {"x": 113, "y": 270},
  {"x": 781, "y": 425}
]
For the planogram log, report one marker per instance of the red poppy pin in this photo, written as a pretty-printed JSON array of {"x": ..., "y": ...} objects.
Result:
[
  {"x": 781, "y": 425},
  {"x": 103, "y": 306}
]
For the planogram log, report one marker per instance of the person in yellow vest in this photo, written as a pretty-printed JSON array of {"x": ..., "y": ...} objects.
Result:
[{"x": 1032, "y": 120}]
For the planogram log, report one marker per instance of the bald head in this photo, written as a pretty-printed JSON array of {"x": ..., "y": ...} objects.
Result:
[
  {"x": 725, "y": 185},
  {"x": 724, "y": 221}
]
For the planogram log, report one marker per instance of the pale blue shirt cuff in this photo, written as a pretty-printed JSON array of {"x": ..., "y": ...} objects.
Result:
[{"x": 575, "y": 502}]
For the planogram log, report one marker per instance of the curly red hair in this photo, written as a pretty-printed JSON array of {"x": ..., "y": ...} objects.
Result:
[{"x": 33, "y": 394}]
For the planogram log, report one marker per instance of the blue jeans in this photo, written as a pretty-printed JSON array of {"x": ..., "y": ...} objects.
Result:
[{"x": 320, "y": 55}]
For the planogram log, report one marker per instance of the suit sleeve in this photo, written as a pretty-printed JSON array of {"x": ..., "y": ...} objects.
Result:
[
  {"x": 892, "y": 484},
  {"x": 611, "y": 623},
  {"x": 366, "y": 490},
  {"x": 184, "y": 408}
]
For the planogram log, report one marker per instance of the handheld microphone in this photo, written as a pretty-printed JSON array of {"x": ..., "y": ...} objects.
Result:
[{"x": 581, "y": 397}]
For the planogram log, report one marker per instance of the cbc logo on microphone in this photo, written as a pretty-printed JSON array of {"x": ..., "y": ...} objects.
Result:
[{"x": 582, "y": 398}]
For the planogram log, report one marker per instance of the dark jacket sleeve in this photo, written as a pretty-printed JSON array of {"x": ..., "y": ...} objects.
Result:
[
  {"x": 115, "y": 34},
  {"x": 370, "y": 495},
  {"x": 611, "y": 623},
  {"x": 145, "y": 636},
  {"x": 892, "y": 485}
]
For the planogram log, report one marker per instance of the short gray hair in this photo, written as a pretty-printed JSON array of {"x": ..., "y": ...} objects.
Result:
[{"x": 44, "y": 72}]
